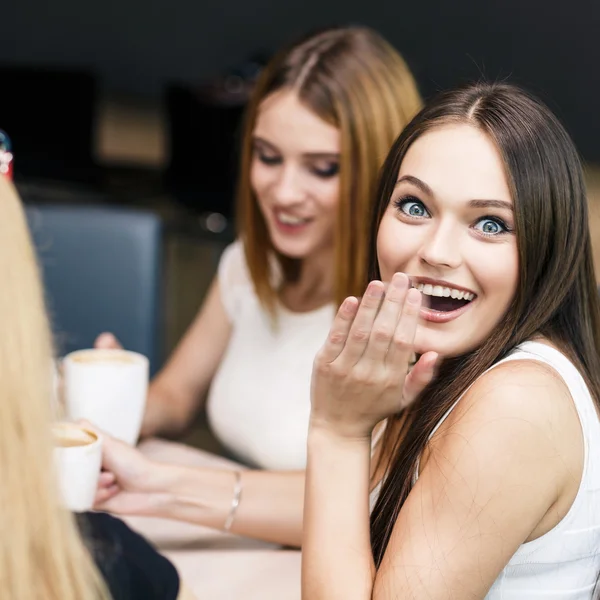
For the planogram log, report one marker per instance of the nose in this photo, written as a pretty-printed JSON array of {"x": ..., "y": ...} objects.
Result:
[
  {"x": 288, "y": 189},
  {"x": 441, "y": 247}
]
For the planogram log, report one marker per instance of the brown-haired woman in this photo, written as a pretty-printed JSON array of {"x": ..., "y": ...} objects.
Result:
[
  {"x": 322, "y": 119},
  {"x": 489, "y": 479}
]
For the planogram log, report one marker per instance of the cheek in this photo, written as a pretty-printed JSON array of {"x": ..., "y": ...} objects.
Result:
[
  {"x": 327, "y": 195},
  {"x": 499, "y": 275},
  {"x": 392, "y": 255}
]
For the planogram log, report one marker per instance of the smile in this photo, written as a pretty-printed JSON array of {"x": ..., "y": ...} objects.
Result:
[
  {"x": 443, "y": 302},
  {"x": 290, "y": 223}
]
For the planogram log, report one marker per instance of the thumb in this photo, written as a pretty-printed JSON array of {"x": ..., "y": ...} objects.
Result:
[
  {"x": 420, "y": 377},
  {"x": 107, "y": 341},
  {"x": 110, "y": 445}
]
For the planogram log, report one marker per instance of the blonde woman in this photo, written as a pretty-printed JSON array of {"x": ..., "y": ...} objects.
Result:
[
  {"x": 42, "y": 556},
  {"x": 321, "y": 121}
]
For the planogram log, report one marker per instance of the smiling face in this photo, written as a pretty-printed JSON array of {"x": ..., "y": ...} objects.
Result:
[
  {"x": 450, "y": 227},
  {"x": 294, "y": 175}
]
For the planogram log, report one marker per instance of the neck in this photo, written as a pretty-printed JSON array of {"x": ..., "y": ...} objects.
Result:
[{"x": 314, "y": 286}]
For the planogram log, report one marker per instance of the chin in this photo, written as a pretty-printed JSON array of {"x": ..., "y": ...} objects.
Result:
[
  {"x": 444, "y": 345},
  {"x": 289, "y": 249}
]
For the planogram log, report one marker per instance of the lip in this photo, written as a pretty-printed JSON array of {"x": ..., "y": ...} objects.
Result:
[
  {"x": 428, "y": 280},
  {"x": 437, "y": 316},
  {"x": 287, "y": 228}
]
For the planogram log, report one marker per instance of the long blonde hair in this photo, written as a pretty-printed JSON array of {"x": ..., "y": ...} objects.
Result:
[
  {"x": 42, "y": 556},
  {"x": 353, "y": 79}
]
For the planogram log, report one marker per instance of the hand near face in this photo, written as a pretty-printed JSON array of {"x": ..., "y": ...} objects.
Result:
[{"x": 360, "y": 376}]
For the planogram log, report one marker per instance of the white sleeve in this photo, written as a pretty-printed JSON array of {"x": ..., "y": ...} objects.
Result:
[{"x": 234, "y": 278}]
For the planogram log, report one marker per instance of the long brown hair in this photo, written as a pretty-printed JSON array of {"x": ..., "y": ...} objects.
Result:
[
  {"x": 42, "y": 556},
  {"x": 556, "y": 293},
  {"x": 353, "y": 79}
]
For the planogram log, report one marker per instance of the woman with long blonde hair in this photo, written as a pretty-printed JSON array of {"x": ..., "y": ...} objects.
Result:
[
  {"x": 319, "y": 125},
  {"x": 43, "y": 555}
]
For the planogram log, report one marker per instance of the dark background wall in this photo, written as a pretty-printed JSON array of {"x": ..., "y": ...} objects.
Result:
[{"x": 136, "y": 46}]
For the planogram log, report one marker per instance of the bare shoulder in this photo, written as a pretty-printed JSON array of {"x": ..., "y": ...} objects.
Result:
[
  {"x": 518, "y": 419},
  {"x": 523, "y": 390}
]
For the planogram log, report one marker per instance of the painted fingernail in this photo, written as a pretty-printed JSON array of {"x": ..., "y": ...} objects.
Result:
[{"x": 413, "y": 296}]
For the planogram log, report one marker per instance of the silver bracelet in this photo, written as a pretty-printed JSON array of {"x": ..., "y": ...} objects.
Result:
[{"x": 235, "y": 501}]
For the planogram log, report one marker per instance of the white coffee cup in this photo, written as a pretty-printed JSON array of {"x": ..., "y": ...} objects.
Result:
[
  {"x": 78, "y": 459},
  {"x": 108, "y": 388}
]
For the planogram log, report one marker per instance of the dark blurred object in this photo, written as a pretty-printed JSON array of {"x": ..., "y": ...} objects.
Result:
[
  {"x": 6, "y": 156},
  {"x": 50, "y": 115},
  {"x": 204, "y": 127},
  {"x": 202, "y": 147},
  {"x": 102, "y": 272}
]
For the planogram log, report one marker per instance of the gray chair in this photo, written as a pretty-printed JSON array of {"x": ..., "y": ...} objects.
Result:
[{"x": 102, "y": 269}]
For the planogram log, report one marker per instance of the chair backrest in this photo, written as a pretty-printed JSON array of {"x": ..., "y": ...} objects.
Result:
[{"x": 102, "y": 270}]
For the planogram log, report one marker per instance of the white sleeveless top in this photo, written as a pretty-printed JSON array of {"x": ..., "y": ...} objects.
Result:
[
  {"x": 564, "y": 563},
  {"x": 259, "y": 401}
]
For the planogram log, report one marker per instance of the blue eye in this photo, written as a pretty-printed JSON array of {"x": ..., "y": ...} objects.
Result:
[
  {"x": 412, "y": 207},
  {"x": 491, "y": 226}
]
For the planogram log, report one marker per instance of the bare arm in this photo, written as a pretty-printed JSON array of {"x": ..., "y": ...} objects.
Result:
[
  {"x": 270, "y": 508},
  {"x": 176, "y": 393},
  {"x": 271, "y": 502},
  {"x": 472, "y": 507}
]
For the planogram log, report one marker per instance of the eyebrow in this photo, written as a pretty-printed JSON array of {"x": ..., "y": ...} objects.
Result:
[
  {"x": 417, "y": 183},
  {"x": 316, "y": 155},
  {"x": 501, "y": 204}
]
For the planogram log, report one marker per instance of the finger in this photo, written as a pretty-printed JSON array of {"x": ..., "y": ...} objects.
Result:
[
  {"x": 107, "y": 341},
  {"x": 360, "y": 332},
  {"x": 88, "y": 425},
  {"x": 387, "y": 319},
  {"x": 420, "y": 376},
  {"x": 103, "y": 496},
  {"x": 338, "y": 333},
  {"x": 106, "y": 479},
  {"x": 401, "y": 348}
]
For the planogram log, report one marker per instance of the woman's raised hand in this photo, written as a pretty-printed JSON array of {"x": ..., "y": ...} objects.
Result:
[{"x": 361, "y": 375}]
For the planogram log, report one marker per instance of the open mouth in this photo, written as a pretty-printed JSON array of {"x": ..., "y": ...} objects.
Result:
[
  {"x": 290, "y": 221},
  {"x": 444, "y": 299}
]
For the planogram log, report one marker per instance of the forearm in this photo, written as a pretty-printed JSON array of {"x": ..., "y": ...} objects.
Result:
[
  {"x": 165, "y": 415},
  {"x": 337, "y": 563},
  {"x": 270, "y": 508}
]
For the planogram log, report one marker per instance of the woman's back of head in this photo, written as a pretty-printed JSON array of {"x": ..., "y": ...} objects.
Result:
[
  {"x": 352, "y": 79},
  {"x": 41, "y": 554}
]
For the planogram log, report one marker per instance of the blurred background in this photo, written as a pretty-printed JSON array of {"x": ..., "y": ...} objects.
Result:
[{"x": 133, "y": 107}]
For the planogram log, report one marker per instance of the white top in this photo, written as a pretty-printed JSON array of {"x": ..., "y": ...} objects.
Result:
[
  {"x": 564, "y": 563},
  {"x": 259, "y": 401}
]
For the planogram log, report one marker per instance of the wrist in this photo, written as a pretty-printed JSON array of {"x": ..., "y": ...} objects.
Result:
[
  {"x": 197, "y": 495},
  {"x": 339, "y": 433},
  {"x": 324, "y": 437}
]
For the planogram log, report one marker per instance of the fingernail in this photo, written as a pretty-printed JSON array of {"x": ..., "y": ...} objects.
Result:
[
  {"x": 374, "y": 289},
  {"x": 399, "y": 280},
  {"x": 348, "y": 304},
  {"x": 413, "y": 296}
]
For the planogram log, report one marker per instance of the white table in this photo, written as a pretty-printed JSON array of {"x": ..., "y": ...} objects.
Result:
[{"x": 215, "y": 565}]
